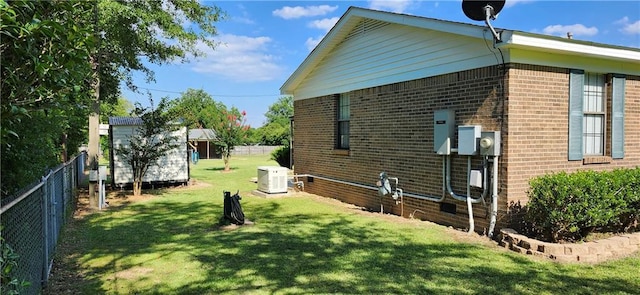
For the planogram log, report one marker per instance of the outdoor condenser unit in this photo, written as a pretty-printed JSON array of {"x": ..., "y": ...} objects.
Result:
[{"x": 272, "y": 179}]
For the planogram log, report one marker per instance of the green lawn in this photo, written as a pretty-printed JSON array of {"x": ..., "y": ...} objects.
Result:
[{"x": 169, "y": 244}]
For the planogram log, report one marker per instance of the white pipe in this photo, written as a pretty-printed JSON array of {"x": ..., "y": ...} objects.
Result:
[
  {"x": 338, "y": 181},
  {"x": 413, "y": 195},
  {"x": 494, "y": 197},
  {"x": 469, "y": 206},
  {"x": 453, "y": 194}
]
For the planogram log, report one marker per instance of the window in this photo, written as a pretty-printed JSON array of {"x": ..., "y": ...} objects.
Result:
[
  {"x": 589, "y": 95},
  {"x": 594, "y": 115},
  {"x": 344, "y": 115}
]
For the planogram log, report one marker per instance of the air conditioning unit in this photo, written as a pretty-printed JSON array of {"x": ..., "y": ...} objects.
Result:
[{"x": 272, "y": 179}]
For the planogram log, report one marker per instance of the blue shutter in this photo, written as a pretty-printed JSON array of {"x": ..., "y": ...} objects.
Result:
[
  {"x": 576, "y": 92},
  {"x": 617, "y": 118}
]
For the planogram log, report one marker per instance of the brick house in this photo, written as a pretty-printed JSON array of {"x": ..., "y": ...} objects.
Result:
[{"x": 381, "y": 90}]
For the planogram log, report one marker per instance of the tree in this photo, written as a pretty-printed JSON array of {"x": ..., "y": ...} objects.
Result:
[
  {"x": 197, "y": 109},
  {"x": 280, "y": 111},
  {"x": 44, "y": 69},
  {"x": 61, "y": 59},
  {"x": 122, "y": 108},
  {"x": 153, "y": 139},
  {"x": 230, "y": 131},
  {"x": 277, "y": 130}
]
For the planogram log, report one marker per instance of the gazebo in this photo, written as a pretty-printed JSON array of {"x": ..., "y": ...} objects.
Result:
[{"x": 203, "y": 141}]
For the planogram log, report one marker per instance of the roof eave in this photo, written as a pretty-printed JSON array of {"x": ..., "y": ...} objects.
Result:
[
  {"x": 351, "y": 18},
  {"x": 522, "y": 40}
]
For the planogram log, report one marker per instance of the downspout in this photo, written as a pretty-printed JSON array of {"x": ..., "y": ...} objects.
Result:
[{"x": 494, "y": 197}]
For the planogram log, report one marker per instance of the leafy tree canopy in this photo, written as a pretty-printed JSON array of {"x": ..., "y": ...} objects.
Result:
[
  {"x": 197, "y": 109},
  {"x": 50, "y": 52},
  {"x": 280, "y": 111}
]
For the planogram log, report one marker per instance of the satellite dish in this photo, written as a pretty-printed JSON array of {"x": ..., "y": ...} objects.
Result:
[
  {"x": 476, "y": 9},
  {"x": 482, "y": 10}
]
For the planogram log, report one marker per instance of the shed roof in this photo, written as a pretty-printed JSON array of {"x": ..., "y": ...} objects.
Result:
[{"x": 125, "y": 121}]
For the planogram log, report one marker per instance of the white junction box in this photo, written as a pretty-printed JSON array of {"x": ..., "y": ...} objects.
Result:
[
  {"x": 272, "y": 179},
  {"x": 475, "y": 178}
]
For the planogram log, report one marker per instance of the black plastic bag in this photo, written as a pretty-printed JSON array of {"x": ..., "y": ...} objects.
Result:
[{"x": 233, "y": 209}]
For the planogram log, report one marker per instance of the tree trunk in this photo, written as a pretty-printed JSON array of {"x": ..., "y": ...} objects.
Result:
[
  {"x": 137, "y": 188},
  {"x": 225, "y": 158}
]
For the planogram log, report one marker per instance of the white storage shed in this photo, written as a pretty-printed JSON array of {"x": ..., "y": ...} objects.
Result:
[{"x": 171, "y": 169}]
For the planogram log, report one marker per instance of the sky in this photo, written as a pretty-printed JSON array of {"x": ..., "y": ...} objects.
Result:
[{"x": 261, "y": 43}]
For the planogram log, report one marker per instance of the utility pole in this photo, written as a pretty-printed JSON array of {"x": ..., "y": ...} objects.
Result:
[{"x": 94, "y": 117}]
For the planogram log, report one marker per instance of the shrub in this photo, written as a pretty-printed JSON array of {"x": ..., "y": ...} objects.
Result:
[
  {"x": 9, "y": 284},
  {"x": 570, "y": 206},
  {"x": 281, "y": 155}
]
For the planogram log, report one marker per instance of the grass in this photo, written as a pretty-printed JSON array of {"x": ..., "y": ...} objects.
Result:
[{"x": 169, "y": 244}]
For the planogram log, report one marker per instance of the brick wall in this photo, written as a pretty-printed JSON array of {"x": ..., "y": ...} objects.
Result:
[
  {"x": 392, "y": 131},
  {"x": 537, "y": 128}
]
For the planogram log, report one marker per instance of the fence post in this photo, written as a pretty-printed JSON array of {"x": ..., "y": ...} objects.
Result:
[{"x": 45, "y": 227}]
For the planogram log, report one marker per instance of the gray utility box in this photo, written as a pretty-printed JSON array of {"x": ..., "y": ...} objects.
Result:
[
  {"x": 468, "y": 139},
  {"x": 490, "y": 143},
  {"x": 444, "y": 128}
]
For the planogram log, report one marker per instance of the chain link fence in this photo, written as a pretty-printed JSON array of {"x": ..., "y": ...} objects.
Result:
[{"x": 32, "y": 219}]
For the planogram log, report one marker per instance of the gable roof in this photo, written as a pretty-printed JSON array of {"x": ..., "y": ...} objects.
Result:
[
  {"x": 359, "y": 20},
  {"x": 202, "y": 134}
]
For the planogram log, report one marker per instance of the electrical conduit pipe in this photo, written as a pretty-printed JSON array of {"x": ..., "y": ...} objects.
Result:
[
  {"x": 494, "y": 197},
  {"x": 469, "y": 200}
]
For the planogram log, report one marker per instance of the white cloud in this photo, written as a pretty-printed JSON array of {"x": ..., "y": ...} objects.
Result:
[
  {"x": 240, "y": 58},
  {"x": 289, "y": 12},
  {"x": 311, "y": 43},
  {"x": 397, "y": 6},
  {"x": 576, "y": 30},
  {"x": 629, "y": 27},
  {"x": 324, "y": 24}
]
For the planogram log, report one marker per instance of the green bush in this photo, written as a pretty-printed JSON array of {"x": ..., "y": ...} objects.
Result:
[
  {"x": 568, "y": 207},
  {"x": 9, "y": 284},
  {"x": 281, "y": 155}
]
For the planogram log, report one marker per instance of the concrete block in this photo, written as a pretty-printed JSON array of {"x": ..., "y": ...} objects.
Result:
[
  {"x": 525, "y": 244},
  {"x": 576, "y": 250},
  {"x": 587, "y": 258},
  {"x": 634, "y": 239},
  {"x": 518, "y": 249},
  {"x": 554, "y": 249},
  {"x": 595, "y": 248},
  {"x": 604, "y": 256},
  {"x": 619, "y": 241},
  {"x": 564, "y": 258}
]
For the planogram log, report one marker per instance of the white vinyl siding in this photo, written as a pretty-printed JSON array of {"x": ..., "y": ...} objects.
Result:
[
  {"x": 393, "y": 53},
  {"x": 171, "y": 168}
]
